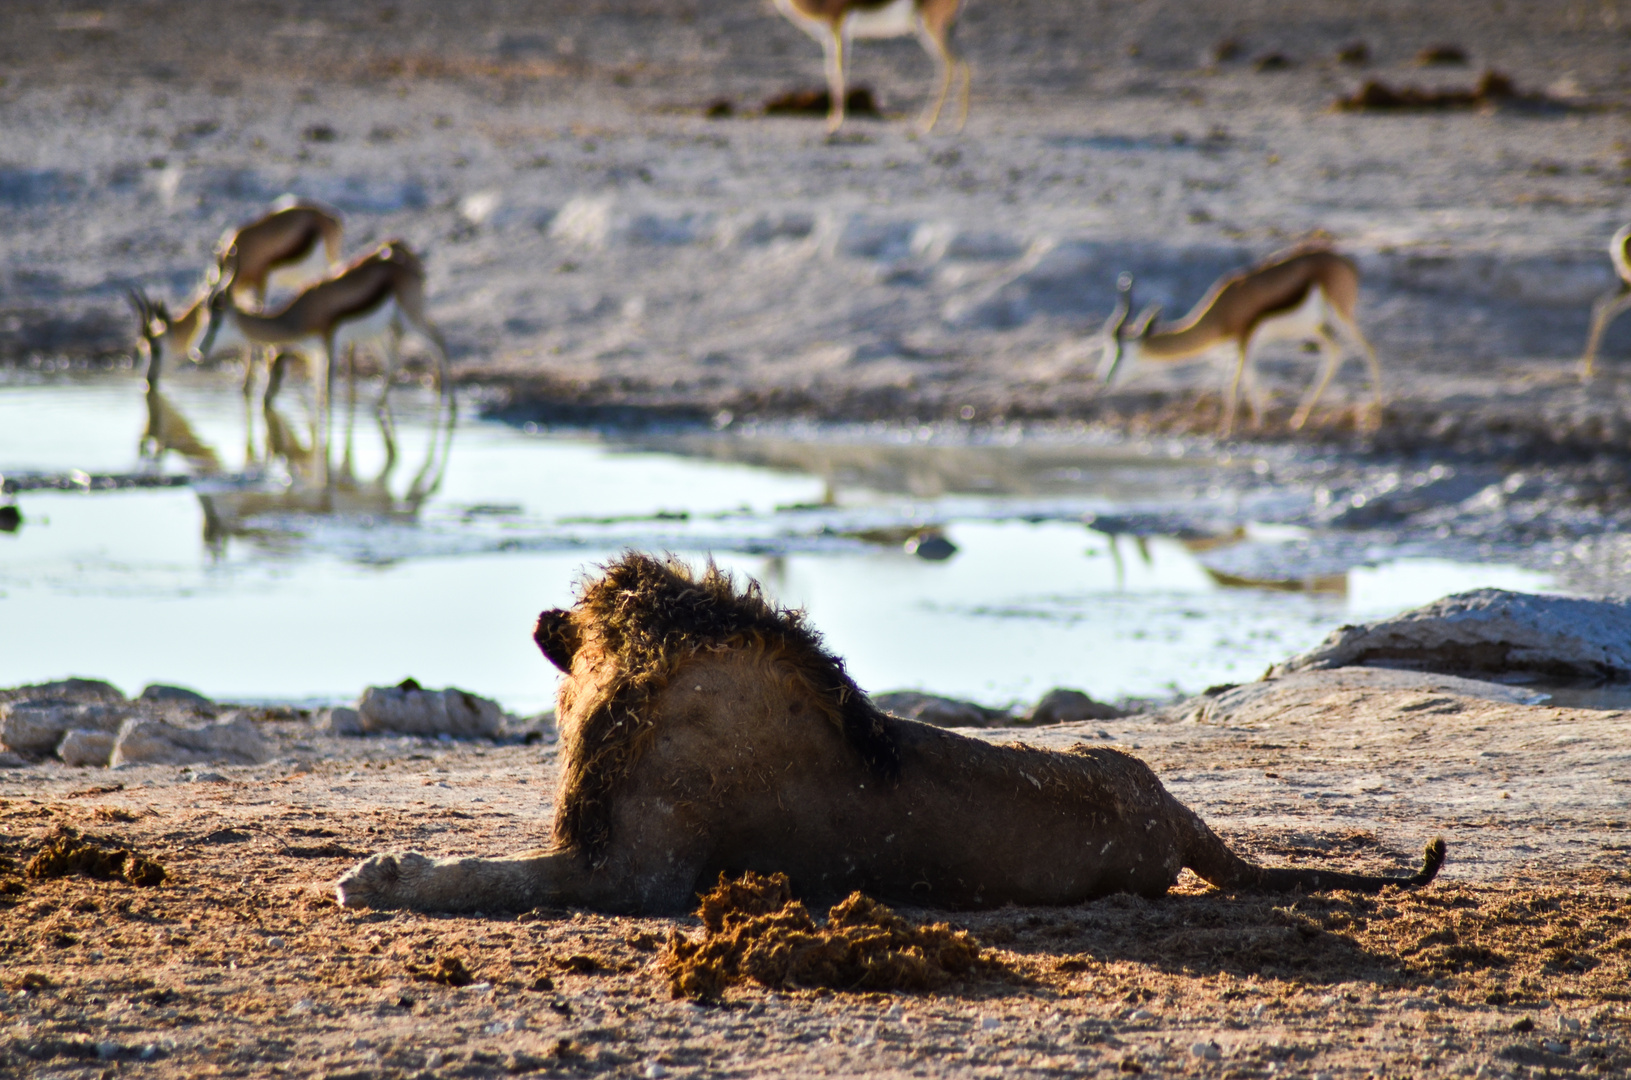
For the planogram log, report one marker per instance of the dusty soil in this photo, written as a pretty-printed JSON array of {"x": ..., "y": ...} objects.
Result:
[{"x": 1517, "y": 959}]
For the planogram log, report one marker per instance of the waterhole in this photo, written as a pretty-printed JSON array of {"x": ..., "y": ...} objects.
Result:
[{"x": 980, "y": 564}]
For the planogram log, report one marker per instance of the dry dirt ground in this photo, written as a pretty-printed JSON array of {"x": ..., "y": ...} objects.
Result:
[{"x": 1517, "y": 961}]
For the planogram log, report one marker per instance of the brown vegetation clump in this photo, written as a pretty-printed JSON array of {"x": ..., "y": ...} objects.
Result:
[
  {"x": 754, "y": 929},
  {"x": 449, "y": 971},
  {"x": 859, "y": 101},
  {"x": 1493, "y": 88},
  {"x": 66, "y": 853}
]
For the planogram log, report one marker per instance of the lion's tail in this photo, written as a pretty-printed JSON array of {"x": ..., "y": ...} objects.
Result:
[{"x": 1211, "y": 858}]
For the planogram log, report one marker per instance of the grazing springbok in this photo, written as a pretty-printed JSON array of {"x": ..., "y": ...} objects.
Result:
[
  {"x": 162, "y": 335},
  {"x": 167, "y": 429},
  {"x": 1298, "y": 295},
  {"x": 297, "y": 241},
  {"x": 379, "y": 297},
  {"x": 834, "y": 23},
  {"x": 1610, "y": 305}
]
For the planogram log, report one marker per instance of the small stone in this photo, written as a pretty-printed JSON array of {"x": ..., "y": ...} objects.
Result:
[
  {"x": 1207, "y": 1050},
  {"x": 654, "y": 1070},
  {"x": 275, "y": 943},
  {"x": 1140, "y": 1014},
  {"x": 107, "y": 1051},
  {"x": 990, "y": 1023},
  {"x": 82, "y": 747},
  {"x": 343, "y": 720}
]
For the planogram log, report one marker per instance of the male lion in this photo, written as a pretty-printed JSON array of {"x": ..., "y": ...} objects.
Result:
[{"x": 704, "y": 730}]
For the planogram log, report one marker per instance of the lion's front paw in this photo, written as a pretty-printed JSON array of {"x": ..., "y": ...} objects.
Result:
[{"x": 382, "y": 881}]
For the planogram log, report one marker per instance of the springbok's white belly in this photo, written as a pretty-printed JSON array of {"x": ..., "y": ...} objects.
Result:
[
  {"x": 1302, "y": 323},
  {"x": 896, "y": 19},
  {"x": 376, "y": 325},
  {"x": 297, "y": 275}
]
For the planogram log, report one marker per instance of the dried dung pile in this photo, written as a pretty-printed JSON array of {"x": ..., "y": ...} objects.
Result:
[
  {"x": 754, "y": 929},
  {"x": 858, "y": 101},
  {"x": 66, "y": 854},
  {"x": 1492, "y": 89}
]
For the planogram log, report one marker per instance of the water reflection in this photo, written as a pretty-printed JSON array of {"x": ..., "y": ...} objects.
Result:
[
  {"x": 167, "y": 432},
  {"x": 291, "y": 474}
]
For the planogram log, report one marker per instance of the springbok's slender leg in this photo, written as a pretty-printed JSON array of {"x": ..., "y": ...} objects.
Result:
[
  {"x": 834, "y": 48},
  {"x": 1234, "y": 388},
  {"x": 934, "y": 29},
  {"x": 1351, "y": 328},
  {"x": 1331, "y": 356},
  {"x": 1607, "y": 308}
]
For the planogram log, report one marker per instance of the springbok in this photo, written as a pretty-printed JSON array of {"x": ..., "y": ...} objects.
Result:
[
  {"x": 167, "y": 429},
  {"x": 297, "y": 241},
  {"x": 379, "y": 297},
  {"x": 1298, "y": 295},
  {"x": 1609, "y": 306},
  {"x": 834, "y": 23},
  {"x": 163, "y": 335}
]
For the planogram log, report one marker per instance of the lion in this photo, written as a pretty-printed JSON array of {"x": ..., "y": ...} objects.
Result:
[{"x": 705, "y": 730}]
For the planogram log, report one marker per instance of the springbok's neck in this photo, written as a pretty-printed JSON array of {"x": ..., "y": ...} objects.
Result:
[{"x": 1183, "y": 340}]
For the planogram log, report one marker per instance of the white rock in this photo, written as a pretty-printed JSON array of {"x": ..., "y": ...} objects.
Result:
[
  {"x": 452, "y": 712},
  {"x": 1489, "y": 631},
  {"x": 343, "y": 720},
  {"x": 82, "y": 747},
  {"x": 232, "y": 741},
  {"x": 36, "y": 726}
]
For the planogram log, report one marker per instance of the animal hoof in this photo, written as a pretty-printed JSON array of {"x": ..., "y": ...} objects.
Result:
[{"x": 380, "y": 881}]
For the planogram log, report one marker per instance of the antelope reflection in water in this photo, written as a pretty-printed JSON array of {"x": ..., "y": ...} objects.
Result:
[{"x": 293, "y": 475}]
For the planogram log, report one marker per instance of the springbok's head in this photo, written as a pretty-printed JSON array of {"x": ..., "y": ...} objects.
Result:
[
  {"x": 1118, "y": 334},
  {"x": 155, "y": 331},
  {"x": 216, "y": 305}
]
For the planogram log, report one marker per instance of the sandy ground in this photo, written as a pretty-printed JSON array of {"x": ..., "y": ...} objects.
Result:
[{"x": 1517, "y": 959}]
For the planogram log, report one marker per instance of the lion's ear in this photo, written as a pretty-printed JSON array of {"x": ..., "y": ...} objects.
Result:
[{"x": 557, "y": 637}]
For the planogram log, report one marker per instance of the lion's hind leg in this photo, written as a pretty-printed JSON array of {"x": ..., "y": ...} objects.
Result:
[{"x": 411, "y": 880}]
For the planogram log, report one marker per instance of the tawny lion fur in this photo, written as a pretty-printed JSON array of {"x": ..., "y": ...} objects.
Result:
[{"x": 706, "y": 731}]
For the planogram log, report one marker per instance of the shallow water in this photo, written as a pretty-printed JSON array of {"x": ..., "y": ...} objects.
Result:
[{"x": 256, "y": 583}]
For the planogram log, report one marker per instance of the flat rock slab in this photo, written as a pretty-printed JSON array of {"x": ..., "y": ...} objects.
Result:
[
  {"x": 412, "y": 711},
  {"x": 233, "y": 741},
  {"x": 1250, "y": 699},
  {"x": 1488, "y": 631}
]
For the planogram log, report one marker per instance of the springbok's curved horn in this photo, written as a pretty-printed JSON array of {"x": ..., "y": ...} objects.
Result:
[
  {"x": 1124, "y": 304},
  {"x": 1144, "y": 325}
]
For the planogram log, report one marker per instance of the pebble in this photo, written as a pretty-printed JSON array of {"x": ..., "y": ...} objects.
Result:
[
  {"x": 1209, "y": 1051},
  {"x": 990, "y": 1023}
]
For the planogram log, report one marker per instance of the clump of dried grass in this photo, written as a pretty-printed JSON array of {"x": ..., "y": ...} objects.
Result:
[
  {"x": 753, "y": 929},
  {"x": 66, "y": 853}
]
